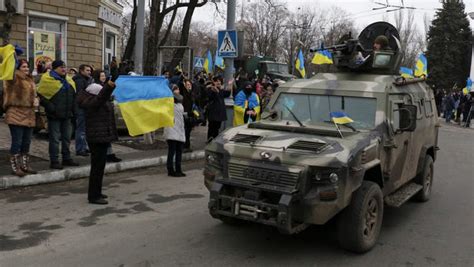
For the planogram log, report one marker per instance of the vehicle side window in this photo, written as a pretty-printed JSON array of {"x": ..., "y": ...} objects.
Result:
[{"x": 428, "y": 108}]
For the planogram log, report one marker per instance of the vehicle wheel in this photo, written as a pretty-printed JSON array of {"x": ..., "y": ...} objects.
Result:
[
  {"x": 425, "y": 178},
  {"x": 359, "y": 224}
]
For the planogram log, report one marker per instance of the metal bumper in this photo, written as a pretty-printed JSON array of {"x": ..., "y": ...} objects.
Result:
[{"x": 278, "y": 215}]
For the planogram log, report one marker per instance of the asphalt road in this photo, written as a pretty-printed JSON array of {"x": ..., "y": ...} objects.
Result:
[{"x": 155, "y": 220}]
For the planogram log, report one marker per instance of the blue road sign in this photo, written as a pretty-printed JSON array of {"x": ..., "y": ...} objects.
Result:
[
  {"x": 227, "y": 43},
  {"x": 198, "y": 63}
]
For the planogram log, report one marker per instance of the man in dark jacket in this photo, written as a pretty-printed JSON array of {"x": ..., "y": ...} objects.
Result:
[
  {"x": 188, "y": 101},
  {"x": 100, "y": 132},
  {"x": 82, "y": 80},
  {"x": 57, "y": 95},
  {"x": 216, "y": 112},
  {"x": 449, "y": 106}
]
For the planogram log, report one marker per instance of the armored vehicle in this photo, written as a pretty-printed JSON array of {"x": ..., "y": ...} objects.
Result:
[{"x": 297, "y": 167}]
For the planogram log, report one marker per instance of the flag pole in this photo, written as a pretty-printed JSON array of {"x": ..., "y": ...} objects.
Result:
[{"x": 337, "y": 127}]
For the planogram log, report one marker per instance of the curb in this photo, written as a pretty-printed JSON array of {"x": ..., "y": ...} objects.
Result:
[{"x": 83, "y": 171}]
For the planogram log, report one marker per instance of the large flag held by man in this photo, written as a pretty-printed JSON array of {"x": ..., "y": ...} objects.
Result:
[
  {"x": 300, "y": 64},
  {"x": 146, "y": 103}
]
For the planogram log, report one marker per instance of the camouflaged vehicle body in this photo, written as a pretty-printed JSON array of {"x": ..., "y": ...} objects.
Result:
[{"x": 266, "y": 171}]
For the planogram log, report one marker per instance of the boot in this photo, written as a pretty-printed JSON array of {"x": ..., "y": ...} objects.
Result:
[
  {"x": 15, "y": 162},
  {"x": 25, "y": 164}
]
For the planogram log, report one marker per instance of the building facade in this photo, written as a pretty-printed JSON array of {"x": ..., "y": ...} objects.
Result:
[{"x": 75, "y": 31}]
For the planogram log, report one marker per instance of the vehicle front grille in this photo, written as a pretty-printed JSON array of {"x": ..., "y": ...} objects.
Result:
[
  {"x": 308, "y": 146},
  {"x": 245, "y": 138},
  {"x": 263, "y": 175}
]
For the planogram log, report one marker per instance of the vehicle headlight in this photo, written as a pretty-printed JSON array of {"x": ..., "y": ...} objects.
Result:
[
  {"x": 333, "y": 177},
  {"x": 324, "y": 176},
  {"x": 214, "y": 160}
]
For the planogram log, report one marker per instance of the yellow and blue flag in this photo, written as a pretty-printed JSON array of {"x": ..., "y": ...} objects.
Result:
[
  {"x": 421, "y": 67},
  {"x": 219, "y": 62},
  {"x": 7, "y": 67},
  {"x": 300, "y": 64},
  {"x": 208, "y": 66},
  {"x": 469, "y": 84},
  {"x": 146, "y": 103},
  {"x": 322, "y": 57},
  {"x": 50, "y": 84},
  {"x": 340, "y": 117},
  {"x": 242, "y": 102},
  {"x": 406, "y": 72}
]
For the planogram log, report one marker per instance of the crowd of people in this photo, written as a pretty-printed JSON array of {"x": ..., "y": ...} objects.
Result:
[
  {"x": 455, "y": 106},
  {"x": 82, "y": 98}
]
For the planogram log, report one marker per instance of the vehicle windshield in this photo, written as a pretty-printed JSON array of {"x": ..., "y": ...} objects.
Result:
[
  {"x": 315, "y": 109},
  {"x": 276, "y": 67}
]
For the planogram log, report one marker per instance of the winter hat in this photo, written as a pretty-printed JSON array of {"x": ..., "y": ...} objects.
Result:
[{"x": 57, "y": 63}]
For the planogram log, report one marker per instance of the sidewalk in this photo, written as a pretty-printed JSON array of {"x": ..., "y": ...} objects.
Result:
[{"x": 133, "y": 152}]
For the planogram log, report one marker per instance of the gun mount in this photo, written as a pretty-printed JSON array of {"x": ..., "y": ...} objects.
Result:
[{"x": 359, "y": 55}]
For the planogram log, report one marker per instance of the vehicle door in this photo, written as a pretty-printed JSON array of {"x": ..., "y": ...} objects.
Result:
[{"x": 398, "y": 145}]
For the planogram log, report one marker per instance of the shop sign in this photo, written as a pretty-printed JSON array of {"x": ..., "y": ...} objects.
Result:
[
  {"x": 44, "y": 46},
  {"x": 110, "y": 16}
]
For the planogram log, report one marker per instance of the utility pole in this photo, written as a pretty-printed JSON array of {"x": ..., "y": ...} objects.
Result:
[
  {"x": 148, "y": 137},
  {"x": 229, "y": 66},
  {"x": 229, "y": 62},
  {"x": 139, "y": 37}
]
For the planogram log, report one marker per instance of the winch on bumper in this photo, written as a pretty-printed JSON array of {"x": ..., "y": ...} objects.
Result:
[{"x": 259, "y": 207}]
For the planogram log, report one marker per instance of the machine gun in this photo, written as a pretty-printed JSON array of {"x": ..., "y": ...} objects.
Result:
[{"x": 358, "y": 55}]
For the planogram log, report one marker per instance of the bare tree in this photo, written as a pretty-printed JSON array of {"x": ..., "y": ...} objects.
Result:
[
  {"x": 411, "y": 40},
  {"x": 264, "y": 26}
]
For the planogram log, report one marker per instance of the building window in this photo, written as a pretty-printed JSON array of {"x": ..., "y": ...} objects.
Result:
[
  {"x": 110, "y": 47},
  {"x": 46, "y": 41}
]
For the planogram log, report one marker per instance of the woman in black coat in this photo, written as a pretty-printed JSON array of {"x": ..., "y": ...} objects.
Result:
[{"x": 100, "y": 131}]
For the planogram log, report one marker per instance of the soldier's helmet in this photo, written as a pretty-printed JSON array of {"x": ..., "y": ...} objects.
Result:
[{"x": 382, "y": 40}]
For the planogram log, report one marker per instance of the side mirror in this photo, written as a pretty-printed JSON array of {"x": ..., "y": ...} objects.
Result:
[
  {"x": 271, "y": 115},
  {"x": 405, "y": 118}
]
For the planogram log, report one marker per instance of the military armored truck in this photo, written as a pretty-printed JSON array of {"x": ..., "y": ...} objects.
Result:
[
  {"x": 297, "y": 167},
  {"x": 263, "y": 66}
]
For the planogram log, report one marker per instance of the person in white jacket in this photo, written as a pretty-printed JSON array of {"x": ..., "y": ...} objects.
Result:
[{"x": 175, "y": 137}]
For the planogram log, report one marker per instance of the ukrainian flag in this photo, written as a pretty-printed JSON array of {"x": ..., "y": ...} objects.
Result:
[
  {"x": 50, "y": 84},
  {"x": 469, "y": 84},
  {"x": 241, "y": 103},
  {"x": 340, "y": 117},
  {"x": 7, "y": 67},
  {"x": 146, "y": 103},
  {"x": 300, "y": 64},
  {"x": 219, "y": 61},
  {"x": 208, "y": 67},
  {"x": 421, "y": 67},
  {"x": 322, "y": 57},
  {"x": 406, "y": 72}
]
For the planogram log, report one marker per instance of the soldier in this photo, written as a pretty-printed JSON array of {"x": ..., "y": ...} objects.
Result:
[{"x": 381, "y": 43}]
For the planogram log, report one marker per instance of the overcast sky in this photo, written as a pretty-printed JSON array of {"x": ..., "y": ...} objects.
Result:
[{"x": 360, "y": 10}]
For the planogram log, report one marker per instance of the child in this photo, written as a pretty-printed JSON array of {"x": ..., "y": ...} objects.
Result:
[{"x": 175, "y": 137}]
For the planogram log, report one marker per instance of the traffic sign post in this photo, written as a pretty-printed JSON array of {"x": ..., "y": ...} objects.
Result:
[{"x": 227, "y": 44}]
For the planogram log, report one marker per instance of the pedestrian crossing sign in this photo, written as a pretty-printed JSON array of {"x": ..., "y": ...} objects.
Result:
[
  {"x": 227, "y": 43},
  {"x": 198, "y": 63}
]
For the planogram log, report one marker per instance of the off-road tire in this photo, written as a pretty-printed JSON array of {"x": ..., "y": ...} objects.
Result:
[
  {"x": 425, "y": 179},
  {"x": 355, "y": 232}
]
